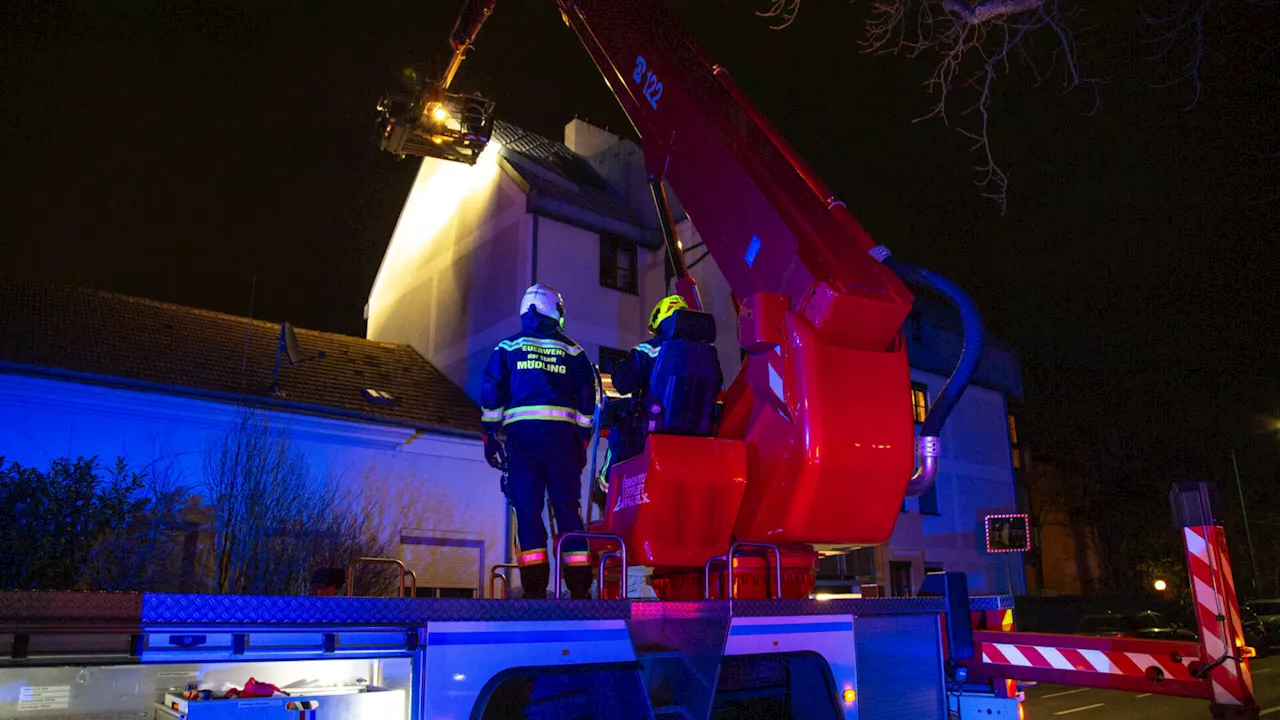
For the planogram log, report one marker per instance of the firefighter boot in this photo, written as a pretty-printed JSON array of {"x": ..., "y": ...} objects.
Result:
[
  {"x": 534, "y": 580},
  {"x": 579, "y": 581}
]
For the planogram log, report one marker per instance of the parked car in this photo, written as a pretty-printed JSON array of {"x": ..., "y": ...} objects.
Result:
[
  {"x": 1147, "y": 625},
  {"x": 1152, "y": 625},
  {"x": 1268, "y": 611},
  {"x": 1256, "y": 634}
]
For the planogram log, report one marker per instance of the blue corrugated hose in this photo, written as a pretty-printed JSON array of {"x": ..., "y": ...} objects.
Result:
[{"x": 970, "y": 355}]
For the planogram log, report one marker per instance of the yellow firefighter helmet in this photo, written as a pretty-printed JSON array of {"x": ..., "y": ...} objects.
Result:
[{"x": 665, "y": 308}]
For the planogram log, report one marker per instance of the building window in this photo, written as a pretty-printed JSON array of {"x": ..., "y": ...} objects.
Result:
[
  {"x": 919, "y": 401},
  {"x": 609, "y": 359},
  {"x": 857, "y": 566},
  {"x": 900, "y": 584},
  {"x": 618, "y": 263},
  {"x": 863, "y": 562}
]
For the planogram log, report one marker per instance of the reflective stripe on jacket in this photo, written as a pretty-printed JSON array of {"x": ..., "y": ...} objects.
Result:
[{"x": 538, "y": 374}]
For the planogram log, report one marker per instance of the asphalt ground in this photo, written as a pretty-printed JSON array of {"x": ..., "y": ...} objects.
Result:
[{"x": 1074, "y": 703}]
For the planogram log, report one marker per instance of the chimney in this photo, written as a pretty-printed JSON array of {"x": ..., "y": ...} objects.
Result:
[{"x": 586, "y": 139}]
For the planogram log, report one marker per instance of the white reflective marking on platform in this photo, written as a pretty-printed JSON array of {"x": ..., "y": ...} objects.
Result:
[
  {"x": 775, "y": 382},
  {"x": 1055, "y": 658},
  {"x": 1100, "y": 661},
  {"x": 1013, "y": 655},
  {"x": 1196, "y": 544}
]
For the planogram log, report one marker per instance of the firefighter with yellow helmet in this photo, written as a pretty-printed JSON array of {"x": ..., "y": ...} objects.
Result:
[{"x": 631, "y": 377}]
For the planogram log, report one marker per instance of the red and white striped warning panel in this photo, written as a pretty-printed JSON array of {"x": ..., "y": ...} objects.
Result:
[
  {"x": 1113, "y": 662},
  {"x": 1217, "y": 614},
  {"x": 1155, "y": 666}
]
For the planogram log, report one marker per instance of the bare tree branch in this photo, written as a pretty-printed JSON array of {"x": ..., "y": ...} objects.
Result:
[
  {"x": 974, "y": 43},
  {"x": 784, "y": 10},
  {"x": 274, "y": 519},
  {"x": 1170, "y": 30},
  {"x": 1183, "y": 31}
]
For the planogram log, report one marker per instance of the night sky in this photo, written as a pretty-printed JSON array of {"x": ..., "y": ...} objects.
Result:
[{"x": 177, "y": 150}]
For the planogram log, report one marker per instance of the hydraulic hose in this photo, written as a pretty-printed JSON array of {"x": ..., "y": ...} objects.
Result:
[{"x": 927, "y": 445}]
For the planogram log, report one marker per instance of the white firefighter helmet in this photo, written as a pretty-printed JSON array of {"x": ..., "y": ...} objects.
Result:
[{"x": 545, "y": 301}]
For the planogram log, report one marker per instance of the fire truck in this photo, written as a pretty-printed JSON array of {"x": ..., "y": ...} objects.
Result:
[{"x": 813, "y": 443}]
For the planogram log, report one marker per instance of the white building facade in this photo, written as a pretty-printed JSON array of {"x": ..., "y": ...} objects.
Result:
[
  {"x": 471, "y": 239},
  {"x": 579, "y": 216}
]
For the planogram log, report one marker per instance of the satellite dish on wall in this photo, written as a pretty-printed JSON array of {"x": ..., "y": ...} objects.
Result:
[{"x": 287, "y": 351}]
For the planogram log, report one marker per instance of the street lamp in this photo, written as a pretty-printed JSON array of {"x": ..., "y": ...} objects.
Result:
[{"x": 1161, "y": 586}]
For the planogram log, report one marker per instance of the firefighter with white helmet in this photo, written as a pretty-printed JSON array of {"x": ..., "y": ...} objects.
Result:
[{"x": 539, "y": 390}]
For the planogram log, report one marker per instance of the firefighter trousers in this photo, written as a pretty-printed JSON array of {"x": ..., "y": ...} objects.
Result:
[{"x": 545, "y": 462}]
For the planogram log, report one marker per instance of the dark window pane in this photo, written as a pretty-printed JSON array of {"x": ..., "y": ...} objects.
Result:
[
  {"x": 618, "y": 261},
  {"x": 900, "y": 579}
]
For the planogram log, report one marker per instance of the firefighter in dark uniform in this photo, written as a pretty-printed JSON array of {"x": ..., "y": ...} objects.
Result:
[
  {"x": 631, "y": 377},
  {"x": 539, "y": 390}
]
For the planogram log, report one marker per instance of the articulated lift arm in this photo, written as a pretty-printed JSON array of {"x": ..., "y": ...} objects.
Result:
[{"x": 823, "y": 396}]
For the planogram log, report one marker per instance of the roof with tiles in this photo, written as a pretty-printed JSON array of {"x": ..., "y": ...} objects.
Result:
[
  {"x": 554, "y": 170},
  {"x": 126, "y": 340}
]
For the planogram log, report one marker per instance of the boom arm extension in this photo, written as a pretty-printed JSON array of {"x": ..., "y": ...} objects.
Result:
[
  {"x": 769, "y": 223},
  {"x": 465, "y": 29}
]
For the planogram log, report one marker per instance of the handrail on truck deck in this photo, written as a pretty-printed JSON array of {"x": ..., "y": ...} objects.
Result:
[
  {"x": 622, "y": 556},
  {"x": 622, "y": 579},
  {"x": 495, "y": 575},
  {"x": 727, "y": 559},
  {"x": 404, "y": 572}
]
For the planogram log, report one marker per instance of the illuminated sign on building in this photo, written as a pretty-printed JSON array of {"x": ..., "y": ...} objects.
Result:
[{"x": 1008, "y": 533}]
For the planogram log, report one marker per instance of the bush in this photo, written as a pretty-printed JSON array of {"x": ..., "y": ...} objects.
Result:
[
  {"x": 153, "y": 550},
  {"x": 266, "y": 524},
  {"x": 51, "y": 521}
]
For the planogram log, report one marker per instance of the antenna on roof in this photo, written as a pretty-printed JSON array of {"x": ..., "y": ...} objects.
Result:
[{"x": 288, "y": 351}]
